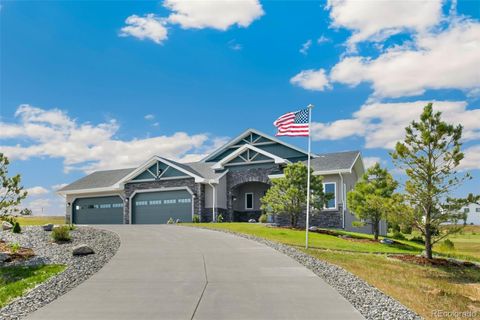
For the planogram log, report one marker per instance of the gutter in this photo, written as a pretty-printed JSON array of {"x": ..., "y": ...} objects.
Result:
[{"x": 342, "y": 187}]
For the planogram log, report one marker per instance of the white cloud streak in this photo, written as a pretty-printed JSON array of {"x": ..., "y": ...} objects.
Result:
[
  {"x": 85, "y": 146},
  {"x": 147, "y": 27},
  {"x": 311, "y": 79}
]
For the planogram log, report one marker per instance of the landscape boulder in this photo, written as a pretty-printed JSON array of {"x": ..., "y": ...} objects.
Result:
[
  {"x": 82, "y": 250},
  {"x": 252, "y": 221},
  {"x": 387, "y": 241},
  {"x": 6, "y": 225},
  {"x": 47, "y": 227},
  {"x": 313, "y": 228},
  {"x": 4, "y": 257}
]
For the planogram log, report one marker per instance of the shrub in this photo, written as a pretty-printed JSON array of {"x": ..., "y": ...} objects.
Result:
[
  {"x": 8, "y": 219},
  {"x": 448, "y": 244},
  {"x": 196, "y": 218},
  {"x": 418, "y": 239},
  {"x": 262, "y": 218},
  {"x": 14, "y": 247},
  {"x": 219, "y": 218},
  {"x": 61, "y": 234},
  {"x": 72, "y": 227},
  {"x": 406, "y": 229},
  {"x": 170, "y": 221},
  {"x": 16, "y": 227},
  {"x": 398, "y": 235}
]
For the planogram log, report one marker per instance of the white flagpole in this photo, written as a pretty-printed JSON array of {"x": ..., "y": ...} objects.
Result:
[{"x": 310, "y": 107}]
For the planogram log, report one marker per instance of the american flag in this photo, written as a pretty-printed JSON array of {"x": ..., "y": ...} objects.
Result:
[{"x": 293, "y": 123}]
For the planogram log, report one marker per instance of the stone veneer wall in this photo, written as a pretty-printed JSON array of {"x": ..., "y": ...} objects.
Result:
[
  {"x": 196, "y": 188},
  {"x": 235, "y": 178},
  {"x": 322, "y": 219},
  {"x": 207, "y": 214}
]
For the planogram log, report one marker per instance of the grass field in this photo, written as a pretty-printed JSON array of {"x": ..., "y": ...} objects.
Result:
[
  {"x": 15, "y": 281},
  {"x": 40, "y": 220},
  {"x": 423, "y": 289}
]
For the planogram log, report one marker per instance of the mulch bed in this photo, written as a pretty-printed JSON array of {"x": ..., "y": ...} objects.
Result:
[
  {"x": 435, "y": 262},
  {"x": 21, "y": 254}
]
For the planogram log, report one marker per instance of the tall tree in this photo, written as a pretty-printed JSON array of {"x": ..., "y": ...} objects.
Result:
[
  {"x": 288, "y": 195},
  {"x": 11, "y": 192},
  {"x": 372, "y": 198},
  {"x": 430, "y": 155}
]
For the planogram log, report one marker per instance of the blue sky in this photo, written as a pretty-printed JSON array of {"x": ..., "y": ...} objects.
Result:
[{"x": 97, "y": 85}]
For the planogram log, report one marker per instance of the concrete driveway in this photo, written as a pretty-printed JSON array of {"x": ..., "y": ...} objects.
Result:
[{"x": 174, "y": 272}]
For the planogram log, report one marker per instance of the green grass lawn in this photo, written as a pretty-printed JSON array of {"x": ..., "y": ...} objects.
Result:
[
  {"x": 317, "y": 240},
  {"x": 421, "y": 288},
  {"x": 16, "y": 281},
  {"x": 40, "y": 220}
]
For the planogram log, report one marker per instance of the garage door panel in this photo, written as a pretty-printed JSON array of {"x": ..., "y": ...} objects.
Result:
[
  {"x": 158, "y": 207},
  {"x": 98, "y": 210}
]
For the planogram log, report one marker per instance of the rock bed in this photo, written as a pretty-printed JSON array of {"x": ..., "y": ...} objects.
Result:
[
  {"x": 79, "y": 268},
  {"x": 371, "y": 302}
]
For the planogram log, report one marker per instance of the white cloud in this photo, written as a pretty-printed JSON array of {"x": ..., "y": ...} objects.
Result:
[
  {"x": 305, "y": 47},
  {"x": 220, "y": 14},
  {"x": 445, "y": 60},
  {"x": 370, "y": 161},
  {"x": 36, "y": 191},
  {"x": 472, "y": 158},
  {"x": 88, "y": 147},
  {"x": 149, "y": 117},
  {"x": 383, "y": 124},
  {"x": 156, "y": 124},
  {"x": 147, "y": 27},
  {"x": 322, "y": 39},
  {"x": 55, "y": 187},
  {"x": 377, "y": 20},
  {"x": 311, "y": 80},
  {"x": 232, "y": 44}
]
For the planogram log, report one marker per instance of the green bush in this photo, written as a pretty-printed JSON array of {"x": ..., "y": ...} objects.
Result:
[
  {"x": 170, "y": 221},
  {"x": 406, "y": 229},
  {"x": 196, "y": 218},
  {"x": 448, "y": 244},
  {"x": 418, "y": 239},
  {"x": 16, "y": 228},
  {"x": 219, "y": 218},
  {"x": 262, "y": 218},
  {"x": 398, "y": 235},
  {"x": 72, "y": 227},
  {"x": 61, "y": 234},
  {"x": 14, "y": 247}
]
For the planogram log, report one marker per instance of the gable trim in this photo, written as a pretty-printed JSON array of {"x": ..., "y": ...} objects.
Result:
[
  {"x": 241, "y": 137},
  {"x": 222, "y": 163},
  {"x": 150, "y": 162}
]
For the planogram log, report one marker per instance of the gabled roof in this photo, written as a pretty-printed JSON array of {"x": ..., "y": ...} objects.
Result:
[
  {"x": 246, "y": 133},
  {"x": 242, "y": 149},
  {"x": 335, "y": 162},
  {"x": 97, "y": 180}
]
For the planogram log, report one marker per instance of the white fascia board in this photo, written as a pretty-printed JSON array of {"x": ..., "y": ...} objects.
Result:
[
  {"x": 316, "y": 173},
  {"x": 115, "y": 187},
  {"x": 236, "y": 153},
  {"x": 358, "y": 158}
]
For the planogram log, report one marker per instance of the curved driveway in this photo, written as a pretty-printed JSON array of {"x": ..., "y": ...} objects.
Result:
[{"x": 174, "y": 272}]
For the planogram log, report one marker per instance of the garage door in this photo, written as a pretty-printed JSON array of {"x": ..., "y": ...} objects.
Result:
[
  {"x": 158, "y": 207},
  {"x": 98, "y": 210}
]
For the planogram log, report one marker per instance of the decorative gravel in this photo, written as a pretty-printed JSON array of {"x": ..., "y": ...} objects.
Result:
[
  {"x": 79, "y": 268},
  {"x": 371, "y": 302}
]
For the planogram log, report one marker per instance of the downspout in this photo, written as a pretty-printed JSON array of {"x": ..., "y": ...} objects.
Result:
[
  {"x": 214, "y": 191},
  {"x": 342, "y": 187}
]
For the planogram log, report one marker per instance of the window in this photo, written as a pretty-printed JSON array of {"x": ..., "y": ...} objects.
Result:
[
  {"x": 141, "y": 203},
  {"x": 248, "y": 201},
  {"x": 117, "y": 205},
  {"x": 170, "y": 201},
  {"x": 186, "y": 200},
  {"x": 329, "y": 189},
  {"x": 466, "y": 210},
  {"x": 105, "y": 206},
  {"x": 477, "y": 209},
  {"x": 155, "y": 202}
]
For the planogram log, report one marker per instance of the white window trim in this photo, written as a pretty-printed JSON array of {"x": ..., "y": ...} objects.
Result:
[
  {"x": 335, "y": 194},
  {"x": 246, "y": 207}
]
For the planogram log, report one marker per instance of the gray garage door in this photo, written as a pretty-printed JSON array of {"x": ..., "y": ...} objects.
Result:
[
  {"x": 99, "y": 210},
  {"x": 158, "y": 207}
]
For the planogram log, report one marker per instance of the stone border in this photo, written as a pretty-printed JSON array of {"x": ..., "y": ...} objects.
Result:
[
  {"x": 368, "y": 300},
  {"x": 104, "y": 243}
]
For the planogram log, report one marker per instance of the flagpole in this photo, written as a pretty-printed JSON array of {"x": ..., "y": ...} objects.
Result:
[{"x": 310, "y": 107}]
